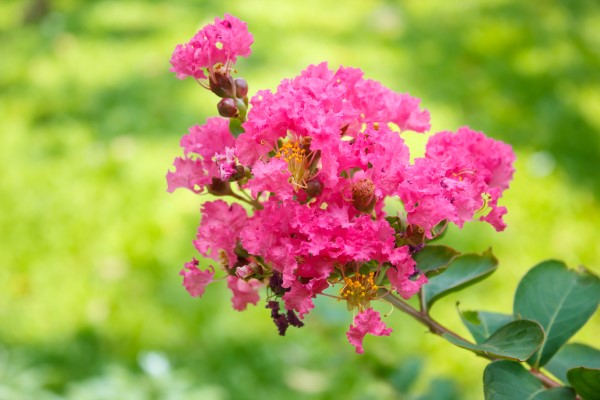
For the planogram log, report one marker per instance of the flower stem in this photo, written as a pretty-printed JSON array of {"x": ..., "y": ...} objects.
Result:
[
  {"x": 254, "y": 203},
  {"x": 421, "y": 316}
]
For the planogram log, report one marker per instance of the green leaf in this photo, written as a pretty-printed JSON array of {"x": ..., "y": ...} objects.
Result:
[
  {"x": 573, "y": 355},
  {"x": 561, "y": 300},
  {"x": 586, "y": 382},
  {"x": 559, "y": 393},
  {"x": 508, "y": 380},
  {"x": 482, "y": 324},
  {"x": 432, "y": 260},
  {"x": 441, "y": 389},
  {"x": 517, "y": 341},
  {"x": 235, "y": 127},
  {"x": 463, "y": 271},
  {"x": 405, "y": 376}
]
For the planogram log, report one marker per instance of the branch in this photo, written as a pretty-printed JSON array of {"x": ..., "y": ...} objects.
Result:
[
  {"x": 422, "y": 317},
  {"x": 254, "y": 203},
  {"x": 438, "y": 329}
]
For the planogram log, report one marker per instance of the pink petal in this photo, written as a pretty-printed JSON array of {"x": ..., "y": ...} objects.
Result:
[
  {"x": 244, "y": 293},
  {"x": 367, "y": 322},
  {"x": 194, "y": 279}
]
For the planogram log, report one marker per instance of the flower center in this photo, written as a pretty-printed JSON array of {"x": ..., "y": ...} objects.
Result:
[
  {"x": 298, "y": 159},
  {"x": 359, "y": 290}
]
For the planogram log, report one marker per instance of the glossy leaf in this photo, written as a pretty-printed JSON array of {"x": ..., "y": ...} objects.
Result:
[
  {"x": 434, "y": 259},
  {"x": 573, "y": 355},
  {"x": 463, "y": 271},
  {"x": 561, "y": 300},
  {"x": 517, "y": 341},
  {"x": 482, "y": 324},
  {"x": 559, "y": 393},
  {"x": 508, "y": 380},
  {"x": 586, "y": 382}
]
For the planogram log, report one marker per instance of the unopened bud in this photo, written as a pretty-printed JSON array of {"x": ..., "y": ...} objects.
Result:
[
  {"x": 241, "y": 88},
  {"x": 363, "y": 195},
  {"x": 240, "y": 173},
  {"x": 414, "y": 236},
  {"x": 220, "y": 82},
  {"x": 304, "y": 143},
  {"x": 313, "y": 188},
  {"x": 227, "y": 108},
  {"x": 218, "y": 187}
]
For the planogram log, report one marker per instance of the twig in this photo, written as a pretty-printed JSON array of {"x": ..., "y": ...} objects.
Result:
[
  {"x": 254, "y": 203},
  {"x": 422, "y": 317},
  {"x": 434, "y": 327}
]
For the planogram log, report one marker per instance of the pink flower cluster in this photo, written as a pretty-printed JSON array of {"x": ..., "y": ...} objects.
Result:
[
  {"x": 218, "y": 43},
  {"x": 316, "y": 162}
]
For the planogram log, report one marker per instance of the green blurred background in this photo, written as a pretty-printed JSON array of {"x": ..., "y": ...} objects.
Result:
[{"x": 91, "y": 306}]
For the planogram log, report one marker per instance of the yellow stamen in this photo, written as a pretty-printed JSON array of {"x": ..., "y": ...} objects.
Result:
[
  {"x": 486, "y": 197},
  {"x": 359, "y": 290},
  {"x": 298, "y": 163}
]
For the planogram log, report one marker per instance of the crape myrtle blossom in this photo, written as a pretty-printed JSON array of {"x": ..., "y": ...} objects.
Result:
[
  {"x": 218, "y": 43},
  {"x": 194, "y": 279},
  {"x": 314, "y": 163},
  {"x": 369, "y": 321},
  {"x": 197, "y": 169},
  {"x": 459, "y": 175}
]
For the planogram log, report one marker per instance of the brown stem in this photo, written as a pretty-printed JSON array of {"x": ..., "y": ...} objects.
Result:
[
  {"x": 254, "y": 203},
  {"x": 422, "y": 303},
  {"x": 434, "y": 327},
  {"x": 422, "y": 317},
  {"x": 546, "y": 380}
]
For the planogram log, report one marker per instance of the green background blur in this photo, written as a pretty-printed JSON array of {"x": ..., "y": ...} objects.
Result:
[{"x": 91, "y": 304}]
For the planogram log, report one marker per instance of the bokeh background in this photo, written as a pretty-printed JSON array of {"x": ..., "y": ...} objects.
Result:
[{"x": 91, "y": 304}]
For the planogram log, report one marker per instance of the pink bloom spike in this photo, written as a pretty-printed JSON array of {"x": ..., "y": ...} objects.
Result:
[
  {"x": 194, "y": 279},
  {"x": 368, "y": 321}
]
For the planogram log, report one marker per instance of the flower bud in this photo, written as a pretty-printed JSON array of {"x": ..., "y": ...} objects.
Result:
[
  {"x": 313, "y": 188},
  {"x": 414, "y": 236},
  {"x": 227, "y": 108},
  {"x": 218, "y": 187},
  {"x": 240, "y": 173},
  {"x": 241, "y": 88},
  {"x": 363, "y": 195},
  {"x": 220, "y": 82}
]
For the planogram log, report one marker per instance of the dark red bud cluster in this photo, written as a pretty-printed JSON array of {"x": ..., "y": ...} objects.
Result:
[
  {"x": 283, "y": 321},
  {"x": 233, "y": 93}
]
